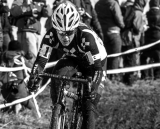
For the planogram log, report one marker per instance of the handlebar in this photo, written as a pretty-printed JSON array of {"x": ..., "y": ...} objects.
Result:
[{"x": 63, "y": 77}]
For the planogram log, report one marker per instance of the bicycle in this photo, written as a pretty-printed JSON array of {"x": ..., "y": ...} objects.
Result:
[{"x": 60, "y": 112}]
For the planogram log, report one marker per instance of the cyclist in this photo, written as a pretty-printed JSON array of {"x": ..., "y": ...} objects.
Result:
[{"x": 83, "y": 50}]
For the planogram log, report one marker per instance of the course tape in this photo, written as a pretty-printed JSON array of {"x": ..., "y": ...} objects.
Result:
[
  {"x": 132, "y": 69},
  {"x": 8, "y": 69},
  {"x": 27, "y": 98},
  {"x": 36, "y": 104},
  {"x": 134, "y": 49}
]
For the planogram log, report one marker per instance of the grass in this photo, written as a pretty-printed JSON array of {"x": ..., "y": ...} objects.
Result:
[{"x": 120, "y": 107}]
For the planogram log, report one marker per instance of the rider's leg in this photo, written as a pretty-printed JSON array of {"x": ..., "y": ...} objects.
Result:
[
  {"x": 90, "y": 111},
  {"x": 89, "y": 114}
]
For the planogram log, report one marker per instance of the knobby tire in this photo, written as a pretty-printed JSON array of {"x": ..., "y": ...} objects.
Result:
[
  {"x": 56, "y": 117},
  {"x": 79, "y": 121},
  {"x": 59, "y": 118}
]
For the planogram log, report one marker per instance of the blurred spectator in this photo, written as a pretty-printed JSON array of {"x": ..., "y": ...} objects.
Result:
[
  {"x": 27, "y": 15},
  {"x": 126, "y": 4},
  {"x": 152, "y": 34},
  {"x": 89, "y": 17},
  {"x": 14, "y": 86},
  {"x": 131, "y": 34},
  {"x": 111, "y": 20},
  {"x": 5, "y": 27}
]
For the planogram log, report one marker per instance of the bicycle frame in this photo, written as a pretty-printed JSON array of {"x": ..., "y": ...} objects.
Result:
[{"x": 76, "y": 120}]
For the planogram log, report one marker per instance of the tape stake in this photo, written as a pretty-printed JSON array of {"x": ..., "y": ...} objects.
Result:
[
  {"x": 26, "y": 98},
  {"x": 36, "y": 105}
]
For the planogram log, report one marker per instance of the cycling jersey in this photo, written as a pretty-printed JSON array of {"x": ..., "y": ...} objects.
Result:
[{"x": 86, "y": 46}]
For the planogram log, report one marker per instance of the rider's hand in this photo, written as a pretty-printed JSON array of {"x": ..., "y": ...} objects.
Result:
[
  {"x": 34, "y": 83},
  {"x": 94, "y": 87}
]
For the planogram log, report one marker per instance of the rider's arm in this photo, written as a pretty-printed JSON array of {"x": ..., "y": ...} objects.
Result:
[
  {"x": 44, "y": 53},
  {"x": 40, "y": 62},
  {"x": 94, "y": 56}
]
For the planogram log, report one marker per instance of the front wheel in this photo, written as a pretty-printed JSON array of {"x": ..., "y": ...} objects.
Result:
[
  {"x": 58, "y": 120},
  {"x": 77, "y": 121}
]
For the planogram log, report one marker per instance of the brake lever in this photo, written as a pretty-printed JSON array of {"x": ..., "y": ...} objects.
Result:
[{"x": 89, "y": 83}]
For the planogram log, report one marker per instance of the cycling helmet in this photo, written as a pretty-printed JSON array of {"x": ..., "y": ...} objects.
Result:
[{"x": 65, "y": 17}]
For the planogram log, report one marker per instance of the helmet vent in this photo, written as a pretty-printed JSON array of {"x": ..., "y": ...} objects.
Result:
[
  {"x": 61, "y": 11},
  {"x": 71, "y": 17},
  {"x": 76, "y": 22},
  {"x": 67, "y": 10},
  {"x": 58, "y": 18},
  {"x": 70, "y": 23},
  {"x": 64, "y": 20},
  {"x": 72, "y": 9},
  {"x": 59, "y": 24},
  {"x": 54, "y": 23}
]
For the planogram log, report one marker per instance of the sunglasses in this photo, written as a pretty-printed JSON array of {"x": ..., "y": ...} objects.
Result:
[{"x": 66, "y": 33}]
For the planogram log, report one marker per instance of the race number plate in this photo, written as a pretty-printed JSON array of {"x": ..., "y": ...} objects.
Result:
[{"x": 45, "y": 51}]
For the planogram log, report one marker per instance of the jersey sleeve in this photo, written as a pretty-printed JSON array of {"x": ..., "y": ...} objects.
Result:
[
  {"x": 44, "y": 53},
  {"x": 93, "y": 54},
  {"x": 92, "y": 49}
]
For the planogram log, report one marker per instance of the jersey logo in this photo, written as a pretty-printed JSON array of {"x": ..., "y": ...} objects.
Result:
[
  {"x": 70, "y": 52},
  {"x": 96, "y": 57},
  {"x": 47, "y": 36},
  {"x": 51, "y": 34},
  {"x": 84, "y": 43},
  {"x": 45, "y": 51},
  {"x": 50, "y": 37}
]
